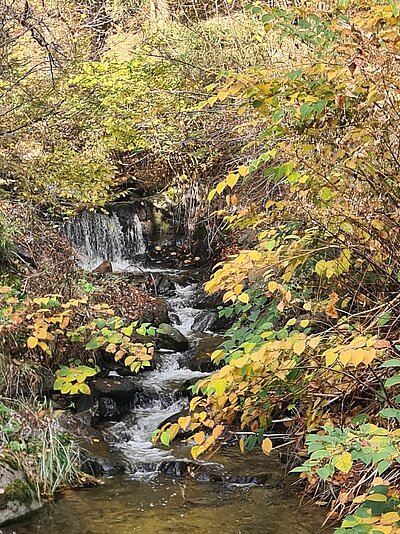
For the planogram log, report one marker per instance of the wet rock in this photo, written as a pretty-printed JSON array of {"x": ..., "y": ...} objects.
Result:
[
  {"x": 174, "y": 318},
  {"x": 169, "y": 337},
  {"x": 99, "y": 466},
  {"x": 202, "y": 472},
  {"x": 184, "y": 388},
  {"x": 200, "y": 359},
  {"x": 109, "y": 409},
  {"x": 121, "y": 390},
  {"x": 24, "y": 254},
  {"x": 96, "y": 456},
  {"x": 165, "y": 287},
  {"x": 205, "y": 301},
  {"x": 104, "y": 267},
  {"x": 205, "y": 320},
  {"x": 17, "y": 498}
]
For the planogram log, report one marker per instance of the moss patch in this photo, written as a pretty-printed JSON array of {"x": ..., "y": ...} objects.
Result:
[{"x": 18, "y": 491}]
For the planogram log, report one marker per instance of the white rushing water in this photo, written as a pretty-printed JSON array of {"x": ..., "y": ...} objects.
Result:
[
  {"x": 100, "y": 236},
  {"x": 160, "y": 399}
]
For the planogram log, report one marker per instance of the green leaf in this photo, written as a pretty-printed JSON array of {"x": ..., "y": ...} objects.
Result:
[
  {"x": 325, "y": 193},
  {"x": 93, "y": 344},
  {"x": 384, "y": 318},
  {"x": 388, "y": 413},
  {"x": 58, "y": 384},
  {"x": 383, "y": 466},
  {"x": 300, "y": 469},
  {"x": 392, "y": 381},
  {"x": 360, "y": 419},
  {"x": 324, "y": 472},
  {"x": 164, "y": 438},
  {"x": 395, "y": 362}
]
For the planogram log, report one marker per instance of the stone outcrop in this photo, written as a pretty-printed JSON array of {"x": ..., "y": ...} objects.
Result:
[{"x": 17, "y": 497}]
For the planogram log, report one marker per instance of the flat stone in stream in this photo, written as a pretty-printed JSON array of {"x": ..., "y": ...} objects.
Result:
[
  {"x": 96, "y": 456},
  {"x": 120, "y": 389}
]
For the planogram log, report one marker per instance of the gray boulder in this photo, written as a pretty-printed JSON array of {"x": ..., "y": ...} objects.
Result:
[
  {"x": 169, "y": 337},
  {"x": 17, "y": 498}
]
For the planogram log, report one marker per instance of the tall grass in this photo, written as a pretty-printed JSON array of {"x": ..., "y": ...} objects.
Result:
[{"x": 32, "y": 442}]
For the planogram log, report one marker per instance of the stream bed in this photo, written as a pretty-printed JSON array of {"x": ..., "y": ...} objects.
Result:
[{"x": 162, "y": 490}]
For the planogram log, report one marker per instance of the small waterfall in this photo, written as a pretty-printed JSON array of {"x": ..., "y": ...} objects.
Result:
[
  {"x": 134, "y": 239},
  {"x": 100, "y": 236}
]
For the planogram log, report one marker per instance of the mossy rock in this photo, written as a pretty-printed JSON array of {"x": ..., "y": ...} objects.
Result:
[
  {"x": 17, "y": 498},
  {"x": 169, "y": 337}
]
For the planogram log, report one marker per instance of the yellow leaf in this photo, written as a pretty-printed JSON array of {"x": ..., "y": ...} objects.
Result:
[
  {"x": 254, "y": 255},
  {"x": 243, "y": 170},
  {"x": 272, "y": 286},
  {"x": 211, "y": 195},
  {"x": 299, "y": 346},
  {"x": 343, "y": 462},
  {"x": 358, "y": 341},
  {"x": 241, "y": 445},
  {"x": 220, "y": 187},
  {"x": 32, "y": 342},
  {"x": 351, "y": 164},
  {"x": 238, "y": 289},
  {"x": 217, "y": 431},
  {"x": 266, "y": 446},
  {"x": 184, "y": 422},
  {"x": 314, "y": 342},
  {"x": 244, "y": 297},
  {"x": 222, "y": 95},
  {"x": 291, "y": 322},
  {"x": 44, "y": 346},
  {"x": 369, "y": 355},
  {"x": 199, "y": 437},
  {"x": 211, "y": 285},
  {"x": 5, "y": 289},
  {"x": 232, "y": 179},
  {"x": 357, "y": 356},
  {"x": 217, "y": 354},
  {"x": 194, "y": 402},
  {"x": 359, "y": 499},
  {"x": 229, "y": 295},
  {"x": 345, "y": 356},
  {"x": 389, "y": 518},
  {"x": 304, "y": 323},
  {"x": 197, "y": 450},
  {"x": 173, "y": 431},
  {"x": 330, "y": 357}
]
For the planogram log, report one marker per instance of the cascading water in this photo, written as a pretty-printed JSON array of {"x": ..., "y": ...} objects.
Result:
[
  {"x": 161, "y": 398},
  {"x": 210, "y": 497},
  {"x": 100, "y": 236},
  {"x": 213, "y": 497}
]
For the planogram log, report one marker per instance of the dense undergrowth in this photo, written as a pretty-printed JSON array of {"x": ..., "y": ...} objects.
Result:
[
  {"x": 286, "y": 118},
  {"x": 314, "y": 296}
]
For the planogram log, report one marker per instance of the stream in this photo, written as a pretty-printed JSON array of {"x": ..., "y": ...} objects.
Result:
[{"x": 163, "y": 490}]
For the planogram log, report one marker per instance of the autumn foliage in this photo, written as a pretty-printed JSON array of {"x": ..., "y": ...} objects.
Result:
[{"x": 314, "y": 295}]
